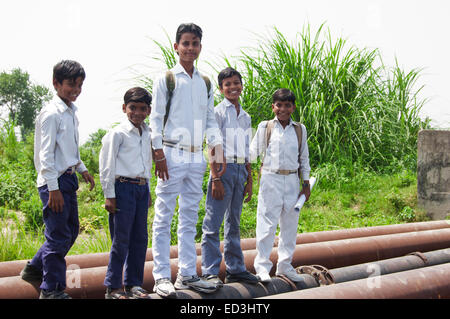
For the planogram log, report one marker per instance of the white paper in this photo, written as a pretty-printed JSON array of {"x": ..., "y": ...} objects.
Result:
[{"x": 302, "y": 199}]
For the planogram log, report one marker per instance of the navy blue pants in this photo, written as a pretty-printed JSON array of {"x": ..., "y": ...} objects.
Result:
[
  {"x": 61, "y": 230},
  {"x": 128, "y": 228}
]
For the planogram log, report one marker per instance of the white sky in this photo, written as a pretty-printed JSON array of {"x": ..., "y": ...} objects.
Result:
[{"x": 110, "y": 37}]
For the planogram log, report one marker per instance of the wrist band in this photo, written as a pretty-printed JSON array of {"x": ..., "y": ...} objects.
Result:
[
  {"x": 160, "y": 160},
  {"x": 216, "y": 179}
]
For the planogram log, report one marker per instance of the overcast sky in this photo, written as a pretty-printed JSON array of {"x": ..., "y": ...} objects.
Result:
[{"x": 110, "y": 38}]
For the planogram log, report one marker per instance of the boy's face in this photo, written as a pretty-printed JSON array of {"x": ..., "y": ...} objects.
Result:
[
  {"x": 283, "y": 109},
  {"x": 69, "y": 89},
  {"x": 136, "y": 112},
  {"x": 188, "y": 48},
  {"x": 231, "y": 88}
]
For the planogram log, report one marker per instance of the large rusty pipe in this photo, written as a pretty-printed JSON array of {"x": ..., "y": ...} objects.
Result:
[
  {"x": 310, "y": 280},
  {"x": 330, "y": 254},
  {"x": 429, "y": 282},
  {"x": 13, "y": 268}
]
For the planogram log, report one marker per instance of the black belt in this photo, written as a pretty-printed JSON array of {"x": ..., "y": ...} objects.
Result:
[
  {"x": 138, "y": 181},
  {"x": 71, "y": 170}
]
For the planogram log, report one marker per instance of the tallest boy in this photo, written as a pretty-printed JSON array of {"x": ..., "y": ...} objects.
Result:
[{"x": 179, "y": 162}]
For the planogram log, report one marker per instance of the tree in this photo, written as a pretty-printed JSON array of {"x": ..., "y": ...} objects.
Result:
[{"x": 21, "y": 98}]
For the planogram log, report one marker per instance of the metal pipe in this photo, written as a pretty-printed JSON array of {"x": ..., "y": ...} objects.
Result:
[
  {"x": 338, "y": 275},
  {"x": 88, "y": 282},
  {"x": 429, "y": 282},
  {"x": 13, "y": 268}
]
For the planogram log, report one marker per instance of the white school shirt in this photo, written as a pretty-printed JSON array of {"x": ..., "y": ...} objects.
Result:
[
  {"x": 124, "y": 153},
  {"x": 236, "y": 129},
  {"x": 282, "y": 151},
  {"x": 191, "y": 112},
  {"x": 56, "y": 142}
]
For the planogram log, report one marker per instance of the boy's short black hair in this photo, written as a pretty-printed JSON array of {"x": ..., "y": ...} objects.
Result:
[
  {"x": 137, "y": 94},
  {"x": 227, "y": 73},
  {"x": 68, "y": 69},
  {"x": 188, "y": 28},
  {"x": 283, "y": 95}
]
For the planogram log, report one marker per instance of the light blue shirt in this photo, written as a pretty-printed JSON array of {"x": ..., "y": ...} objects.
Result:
[{"x": 236, "y": 129}]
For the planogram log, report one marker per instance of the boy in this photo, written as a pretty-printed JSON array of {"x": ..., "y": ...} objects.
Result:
[
  {"x": 279, "y": 185},
  {"x": 57, "y": 158},
  {"x": 235, "y": 125},
  {"x": 125, "y": 169},
  {"x": 179, "y": 162}
]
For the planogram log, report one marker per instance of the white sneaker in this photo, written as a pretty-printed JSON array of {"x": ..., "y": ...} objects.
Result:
[
  {"x": 164, "y": 288},
  {"x": 292, "y": 275},
  {"x": 194, "y": 282},
  {"x": 264, "y": 277}
]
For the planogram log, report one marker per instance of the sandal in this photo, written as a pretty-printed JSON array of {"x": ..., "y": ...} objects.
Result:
[
  {"x": 136, "y": 292},
  {"x": 116, "y": 294}
]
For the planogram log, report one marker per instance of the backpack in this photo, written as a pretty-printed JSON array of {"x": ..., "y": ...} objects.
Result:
[
  {"x": 170, "y": 83},
  {"x": 298, "y": 131}
]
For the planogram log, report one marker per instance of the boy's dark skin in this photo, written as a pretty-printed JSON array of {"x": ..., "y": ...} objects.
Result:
[
  {"x": 283, "y": 111},
  {"x": 136, "y": 112},
  {"x": 68, "y": 90},
  {"x": 188, "y": 49}
]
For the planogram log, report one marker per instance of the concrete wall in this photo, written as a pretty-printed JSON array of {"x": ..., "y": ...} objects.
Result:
[{"x": 433, "y": 172}]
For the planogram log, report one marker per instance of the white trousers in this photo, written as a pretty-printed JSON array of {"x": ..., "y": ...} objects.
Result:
[
  {"x": 186, "y": 172},
  {"x": 276, "y": 200}
]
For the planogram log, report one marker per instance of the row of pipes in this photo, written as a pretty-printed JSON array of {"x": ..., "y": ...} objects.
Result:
[{"x": 395, "y": 261}]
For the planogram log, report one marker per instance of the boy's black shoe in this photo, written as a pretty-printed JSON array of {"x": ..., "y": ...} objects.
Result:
[
  {"x": 54, "y": 294},
  {"x": 245, "y": 276},
  {"x": 31, "y": 273}
]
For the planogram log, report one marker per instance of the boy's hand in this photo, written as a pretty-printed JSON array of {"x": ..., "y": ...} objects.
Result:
[
  {"x": 305, "y": 190},
  {"x": 56, "y": 201},
  {"x": 217, "y": 161},
  {"x": 110, "y": 205},
  {"x": 161, "y": 170},
  {"x": 248, "y": 190},
  {"x": 218, "y": 192},
  {"x": 88, "y": 179}
]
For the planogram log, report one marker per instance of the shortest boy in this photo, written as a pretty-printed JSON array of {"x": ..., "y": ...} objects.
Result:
[
  {"x": 125, "y": 169},
  {"x": 284, "y": 161}
]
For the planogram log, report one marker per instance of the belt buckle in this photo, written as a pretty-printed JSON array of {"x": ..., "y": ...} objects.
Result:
[
  {"x": 142, "y": 181},
  {"x": 71, "y": 170}
]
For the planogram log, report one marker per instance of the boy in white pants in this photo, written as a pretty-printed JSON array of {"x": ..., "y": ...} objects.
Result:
[{"x": 283, "y": 164}]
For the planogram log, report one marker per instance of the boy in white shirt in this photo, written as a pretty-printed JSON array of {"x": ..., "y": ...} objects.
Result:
[
  {"x": 283, "y": 163},
  {"x": 179, "y": 162},
  {"x": 125, "y": 170},
  {"x": 57, "y": 158},
  {"x": 235, "y": 125}
]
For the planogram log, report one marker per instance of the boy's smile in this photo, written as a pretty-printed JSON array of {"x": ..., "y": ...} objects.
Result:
[
  {"x": 232, "y": 89},
  {"x": 188, "y": 48},
  {"x": 69, "y": 89},
  {"x": 136, "y": 112},
  {"x": 283, "y": 110}
]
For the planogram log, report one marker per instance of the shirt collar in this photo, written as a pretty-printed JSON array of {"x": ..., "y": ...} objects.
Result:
[
  {"x": 227, "y": 103},
  {"x": 291, "y": 122},
  {"x": 178, "y": 68},
  {"x": 62, "y": 106},
  {"x": 130, "y": 126}
]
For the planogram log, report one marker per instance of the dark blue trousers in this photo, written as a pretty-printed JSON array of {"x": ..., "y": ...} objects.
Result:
[
  {"x": 61, "y": 230},
  {"x": 128, "y": 228}
]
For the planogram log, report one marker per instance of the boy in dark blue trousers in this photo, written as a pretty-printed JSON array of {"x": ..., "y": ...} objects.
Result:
[
  {"x": 125, "y": 170},
  {"x": 57, "y": 158}
]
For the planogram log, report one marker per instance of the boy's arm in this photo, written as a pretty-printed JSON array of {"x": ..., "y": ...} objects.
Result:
[
  {"x": 156, "y": 127},
  {"x": 107, "y": 168},
  {"x": 305, "y": 168},
  {"x": 257, "y": 146}
]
